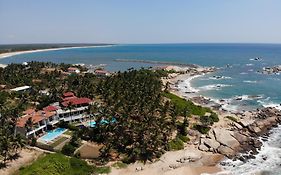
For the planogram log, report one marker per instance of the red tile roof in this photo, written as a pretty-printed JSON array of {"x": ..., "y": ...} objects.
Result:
[
  {"x": 50, "y": 108},
  {"x": 72, "y": 69},
  {"x": 29, "y": 111},
  {"x": 36, "y": 117},
  {"x": 68, "y": 94},
  {"x": 101, "y": 72},
  {"x": 76, "y": 101}
]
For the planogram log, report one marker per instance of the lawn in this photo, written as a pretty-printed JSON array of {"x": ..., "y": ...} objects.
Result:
[
  {"x": 68, "y": 132},
  {"x": 181, "y": 104},
  {"x": 59, "y": 141},
  {"x": 57, "y": 164}
]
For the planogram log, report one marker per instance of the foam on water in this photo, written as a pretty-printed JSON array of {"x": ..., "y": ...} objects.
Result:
[
  {"x": 267, "y": 103},
  {"x": 249, "y": 81},
  {"x": 214, "y": 87},
  {"x": 267, "y": 160}
]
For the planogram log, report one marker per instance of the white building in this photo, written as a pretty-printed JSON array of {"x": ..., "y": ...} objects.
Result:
[
  {"x": 21, "y": 89},
  {"x": 71, "y": 109}
]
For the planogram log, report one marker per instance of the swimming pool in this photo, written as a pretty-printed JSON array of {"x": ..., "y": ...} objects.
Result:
[
  {"x": 103, "y": 122},
  {"x": 51, "y": 135}
]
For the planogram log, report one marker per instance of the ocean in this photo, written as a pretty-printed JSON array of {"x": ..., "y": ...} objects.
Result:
[{"x": 238, "y": 81}]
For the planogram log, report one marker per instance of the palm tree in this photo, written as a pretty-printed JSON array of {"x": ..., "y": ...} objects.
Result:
[{"x": 28, "y": 125}]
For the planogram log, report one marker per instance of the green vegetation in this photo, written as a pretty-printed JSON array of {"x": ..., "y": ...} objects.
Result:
[
  {"x": 69, "y": 148},
  {"x": 139, "y": 118},
  {"x": 232, "y": 118},
  {"x": 206, "y": 122},
  {"x": 143, "y": 124},
  {"x": 182, "y": 104},
  {"x": 10, "y": 142},
  {"x": 102, "y": 170},
  {"x": 176, "y": 144},
  {"x": 68, "y": 132},
  {"x": 202, "y": 129},
  {"x": 119, "y": 165},
  {"x": 183, "y": 138},
  {"x": 57, "y": 164},
  {"x": 59, "y": 141}
]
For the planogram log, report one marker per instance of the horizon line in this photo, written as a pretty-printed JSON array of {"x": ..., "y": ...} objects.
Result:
[{"x": 141, "y": 43}]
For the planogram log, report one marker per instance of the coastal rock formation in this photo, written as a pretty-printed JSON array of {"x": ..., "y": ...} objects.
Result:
[
  {"x": 211, "y": 143},
  {"x": 228, "y": 152},
  {"x": 243, "y": 136},
  {"x": 272, "y": 70},
  {"x": 224, "y": 137}
]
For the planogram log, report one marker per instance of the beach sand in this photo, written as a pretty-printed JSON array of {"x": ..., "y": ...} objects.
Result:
[
  {"x": 5, "y": 55},
  {"x": 170, "y": 164},
  {"x": 26, "y": 156}
]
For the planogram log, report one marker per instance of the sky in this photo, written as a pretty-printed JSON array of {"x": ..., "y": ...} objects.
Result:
[{"x": 140, "y": 21}]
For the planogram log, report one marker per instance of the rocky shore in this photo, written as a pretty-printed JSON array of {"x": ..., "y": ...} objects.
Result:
[
  {"x": 272, "y": 70},
  {"x": 242, "y": 135},
  {"x": 238, "y": 135}
]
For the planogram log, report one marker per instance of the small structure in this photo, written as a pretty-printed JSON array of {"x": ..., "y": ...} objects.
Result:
[
  {"x": 44, "y": 92},
  {"x": 73, "y": 70},
  {"x": 102, "y": 73},
  {"x": 21, "y": 89}
]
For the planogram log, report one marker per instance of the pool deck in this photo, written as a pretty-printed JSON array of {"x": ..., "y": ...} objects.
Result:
[{"x": 41, "y": 140}]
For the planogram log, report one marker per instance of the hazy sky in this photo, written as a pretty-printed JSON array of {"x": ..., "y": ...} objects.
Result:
[{"x": 140, "y": 21}]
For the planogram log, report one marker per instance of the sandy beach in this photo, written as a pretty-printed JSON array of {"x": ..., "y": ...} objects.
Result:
[
  {"x": 26, "y": 156},
  {"x": 5, "y": 55},
  {"x": 189, "y": 161}
]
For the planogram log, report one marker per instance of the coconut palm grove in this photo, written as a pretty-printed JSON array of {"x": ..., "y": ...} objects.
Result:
[{"x": 133, "y": 116}]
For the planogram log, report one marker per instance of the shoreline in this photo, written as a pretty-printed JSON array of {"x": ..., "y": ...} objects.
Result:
[
  {"x": 9, "y": 54},
  {"x": 244, "y": 135}
]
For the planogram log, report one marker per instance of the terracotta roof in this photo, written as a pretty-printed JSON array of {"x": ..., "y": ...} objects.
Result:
[
  {"x": 68, "y": 94},
  {"x": 36, "y": 117},
  {"x": 101, "y": 71},
  {"x": 50, "y": 108},
  {"x": 76, "y": 101},
  {"x": 29, "y": 111},
  {"x": 68, "y": 98}
]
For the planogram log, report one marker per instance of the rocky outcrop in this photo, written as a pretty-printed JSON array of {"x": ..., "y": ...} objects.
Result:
[
  {"x": 271, "y": 70},
  {"x": 211, "y": 143},
  {"x": 228, "y": 152},
  {"x": 224, "y": 137},
  {"x": 243, "y": 137}
]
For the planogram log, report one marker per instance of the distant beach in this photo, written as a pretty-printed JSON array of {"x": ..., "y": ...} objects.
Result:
[{"x": 9, "y": 54}]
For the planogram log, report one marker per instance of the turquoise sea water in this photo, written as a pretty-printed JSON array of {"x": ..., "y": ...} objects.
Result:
[{"x": 241, "y": 79}]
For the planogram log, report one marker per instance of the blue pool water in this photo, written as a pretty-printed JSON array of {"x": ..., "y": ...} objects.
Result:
[
  {"x": 103, "y": 122},
  {"x": 51, "y": 135}
]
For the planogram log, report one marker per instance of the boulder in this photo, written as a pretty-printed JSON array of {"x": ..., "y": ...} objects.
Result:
[
  {"x": 224, "y": 137},
  {"x": 203, "y": 147},
  {"x": 240, "y": 137},
  {"x": 255, "y": 129},
  {"x": 246, "y": 122},
  {"x": 228, "y": 152},
  {"x": 237, "y": 125},
  {"x": 257, "y": 143},
  {"x": 211, "y": 134},
  {"x": 211, "y": 143}
]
